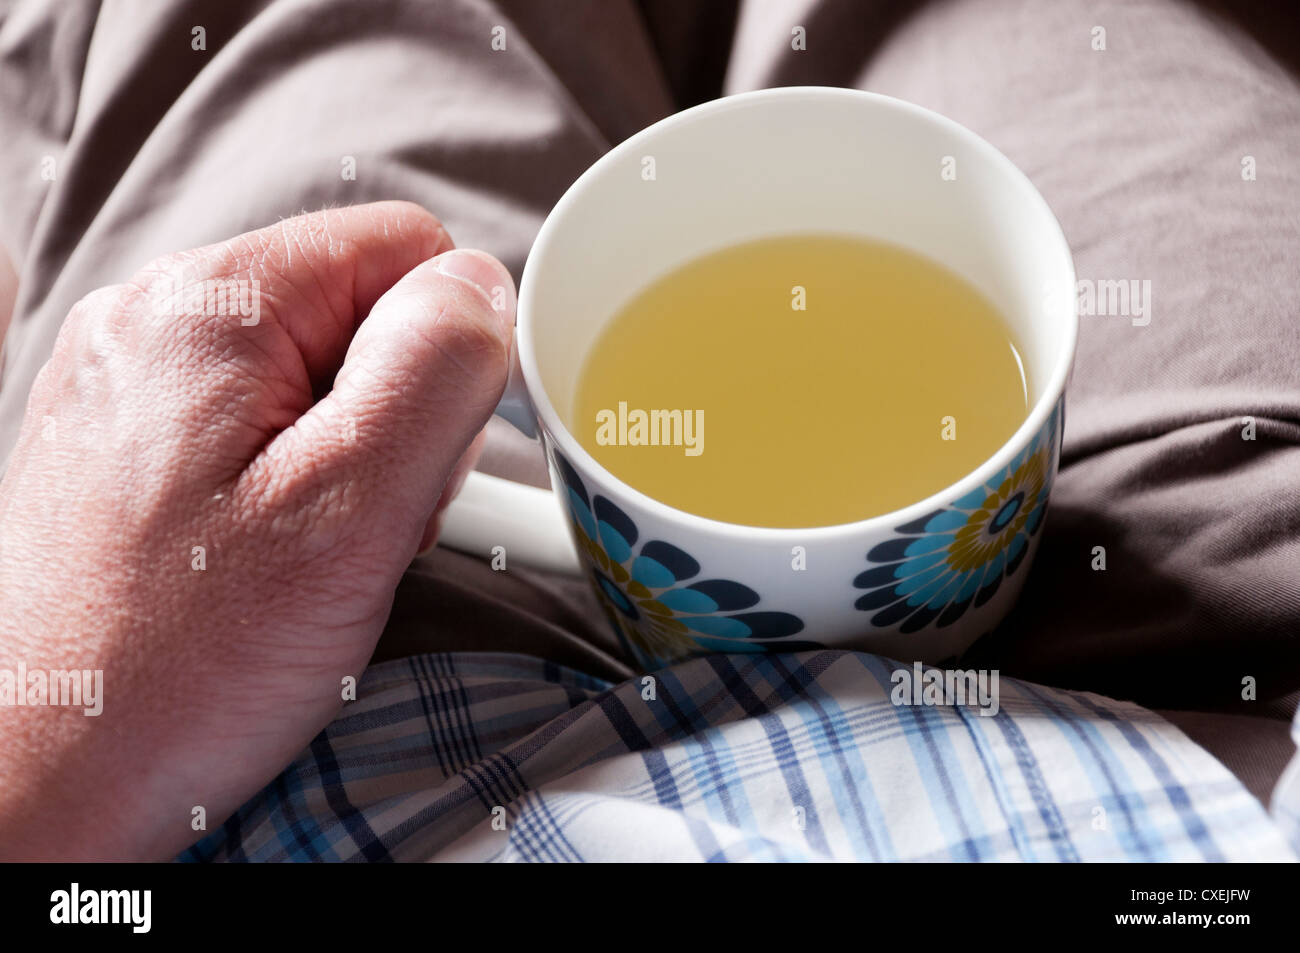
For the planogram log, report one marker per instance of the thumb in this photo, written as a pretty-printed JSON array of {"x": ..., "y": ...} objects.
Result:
[{"x": 421, "y": 377}]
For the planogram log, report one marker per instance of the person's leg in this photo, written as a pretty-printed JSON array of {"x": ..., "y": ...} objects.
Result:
[
  {"x": 1165, "y": 156},
  {"x": 1161, "y": 134}
]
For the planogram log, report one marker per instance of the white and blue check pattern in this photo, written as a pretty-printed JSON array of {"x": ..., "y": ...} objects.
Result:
[{"x": 742, "y": 757}]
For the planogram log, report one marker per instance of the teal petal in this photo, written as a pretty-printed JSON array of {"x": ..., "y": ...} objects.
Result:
[
  {"x": 1034, "y": 519},
  {"x": 999, "y": 479},
  {"x": 615, "y": 545},
  {"x": 727, "y": 645},
  {"x": 920, "y": 580},
  {"x": 949, "y": 519},
  {"x": 913, "y": 566},
  {"x": 925, "y": 594},
  {"x": 688, "y": 600},
  {"x": 945, "y": 594},
  {"x": 973, "y": 500},
  {"x": 578, "y": 506},
  {"x": 615, "y": 595},
  {"x": 995, "y": 567},
  {"x": 928, "y": 544},
  {"x": 718, "y": 625},
  {"x": 971, "y": 583},
  {"x": 651, "y": 574}
]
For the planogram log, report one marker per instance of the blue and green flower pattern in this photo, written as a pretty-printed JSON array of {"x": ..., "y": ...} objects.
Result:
[
  {"x": 954, "y": 558},
  {"x": 659, "y": 607}
]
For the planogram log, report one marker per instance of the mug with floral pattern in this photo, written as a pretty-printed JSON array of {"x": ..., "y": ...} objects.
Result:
[{"x": 919, "y": 583}]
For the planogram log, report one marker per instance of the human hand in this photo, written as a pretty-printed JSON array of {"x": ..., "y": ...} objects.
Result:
[{"x": 215, "y": 510}]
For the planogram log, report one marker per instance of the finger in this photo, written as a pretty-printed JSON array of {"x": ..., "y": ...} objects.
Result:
[
  {"x": 468, "y": 460},
  {"x": 419, "y": 381},
  {"x": 314, "y": 277}
]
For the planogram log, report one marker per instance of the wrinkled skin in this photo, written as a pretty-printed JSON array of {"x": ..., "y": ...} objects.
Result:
[{"x": 307, "y": 454}]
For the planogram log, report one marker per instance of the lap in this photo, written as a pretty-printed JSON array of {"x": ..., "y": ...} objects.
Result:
[{"x": 1138, "y": 148}]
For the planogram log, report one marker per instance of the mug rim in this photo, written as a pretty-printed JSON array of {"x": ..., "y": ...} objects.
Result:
[{"x": 583, "y": 461}]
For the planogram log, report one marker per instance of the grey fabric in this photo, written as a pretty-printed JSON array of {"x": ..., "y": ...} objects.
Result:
[
  {"x": 1138, "y": 148},
  {"x": 1254, "y": 747}
]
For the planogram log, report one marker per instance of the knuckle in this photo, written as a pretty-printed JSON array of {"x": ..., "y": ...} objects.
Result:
[
  {"x": 98, "y": 307},
  {"x": 101, "y": 301},
  {"x": 188, "y": 283},
  {"x": 189, "y": 305},
  {"x": 44, "y": 384},
  {"x": 160, "y": 275},
  {"x": 87, "y": 330}
]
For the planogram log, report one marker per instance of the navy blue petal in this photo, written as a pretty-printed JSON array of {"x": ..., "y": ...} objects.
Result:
[
  {"x": 874, "y": 578},
  {"x": 727, "y": 594},
  {"x": 794, "y": 646},
  {"x": 1014, "y": 562},
  {"x": 713, "y": 644},
  {"x": 1035, "y": 519},
  {"x": 890, "y": 551},
  {"x": 770, "y": 625},
  {"x": 917, "y": 526},
  {"x": 985, "y": 594},
  {"x": 571, "y": 477},
  {"x": 876, "y": 599},
  {"x": 895, "y": 613},
  {"x": 954, "y": 612},
  {"x": 607, "y": 512},
  {"x": 677, "y": 562},
  {"x": 920, "y": 620}
]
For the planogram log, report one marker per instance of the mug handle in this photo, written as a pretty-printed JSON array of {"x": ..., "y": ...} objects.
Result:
[
  {"x": 529, "y": 523},
  {"x": 514, "y": 406}
]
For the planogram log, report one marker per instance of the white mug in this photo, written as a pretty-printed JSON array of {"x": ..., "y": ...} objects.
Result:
[{"x": 779, "y": 161}]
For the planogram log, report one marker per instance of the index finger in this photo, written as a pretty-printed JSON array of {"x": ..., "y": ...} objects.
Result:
[{"x": 315, "y": 276}]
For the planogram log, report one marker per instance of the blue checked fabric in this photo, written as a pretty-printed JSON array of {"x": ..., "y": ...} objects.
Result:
[{"x": 793, "y": 757}]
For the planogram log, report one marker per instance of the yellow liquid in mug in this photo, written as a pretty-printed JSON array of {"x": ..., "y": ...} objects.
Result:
[{"x": 816, "y": 380}]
